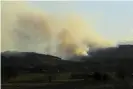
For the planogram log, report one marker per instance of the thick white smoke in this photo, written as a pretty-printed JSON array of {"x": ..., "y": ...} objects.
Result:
[{"x": 27, "y": 29}]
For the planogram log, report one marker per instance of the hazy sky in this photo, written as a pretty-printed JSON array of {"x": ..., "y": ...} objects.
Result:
[{"x": 112, "y": 20}]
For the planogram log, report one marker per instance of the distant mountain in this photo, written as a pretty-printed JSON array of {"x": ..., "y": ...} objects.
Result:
[
  {"x": 26, "y": 59},
  {"x": 31, "y": 60},
  {"x": 122, "y": 51},
  {"x": 104, "y": 60},
  {"x": 111, "y": 59}
]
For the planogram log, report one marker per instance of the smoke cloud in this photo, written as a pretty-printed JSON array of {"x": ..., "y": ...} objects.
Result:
[{"x": 25, "y": 28}]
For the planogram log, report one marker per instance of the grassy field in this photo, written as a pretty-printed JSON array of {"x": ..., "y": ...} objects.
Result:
[
  {"x": 71, "y": 84},
  {"x": 63, "y": 81},
  {"x": 39, "y": 77}
]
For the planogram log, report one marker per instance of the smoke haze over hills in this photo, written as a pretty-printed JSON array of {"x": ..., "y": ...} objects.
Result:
[{"x": 25, "y": 28}]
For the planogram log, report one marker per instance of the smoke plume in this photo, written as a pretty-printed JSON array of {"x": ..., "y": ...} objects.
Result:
[{"x": 25, "y": 28}]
